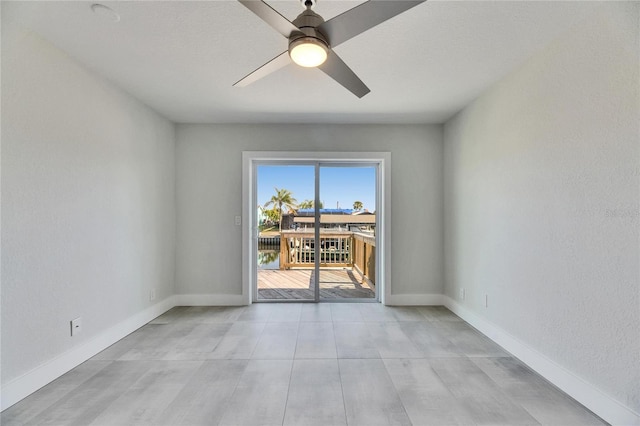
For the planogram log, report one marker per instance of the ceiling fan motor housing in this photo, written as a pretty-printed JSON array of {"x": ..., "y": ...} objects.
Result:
[{"x": 307, "y": 22}]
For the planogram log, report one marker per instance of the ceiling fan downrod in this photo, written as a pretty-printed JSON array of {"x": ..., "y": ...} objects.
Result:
[{"x": 309, "y": 4}]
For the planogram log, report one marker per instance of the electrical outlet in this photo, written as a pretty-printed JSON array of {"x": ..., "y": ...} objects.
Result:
[
  {"x": 462, "y": 294},
  {"x": 238, "y": 220},
  {"x": 76, "y": 326},
  {"x": 152, "y": 295}
]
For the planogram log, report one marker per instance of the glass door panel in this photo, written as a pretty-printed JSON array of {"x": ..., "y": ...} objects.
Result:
[
  {"x": 286, "y": 240},
  {"x": 347, "y": 217}
]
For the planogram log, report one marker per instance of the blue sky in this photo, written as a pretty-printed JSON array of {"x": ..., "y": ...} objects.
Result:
[{"x": 342, "y": 185}]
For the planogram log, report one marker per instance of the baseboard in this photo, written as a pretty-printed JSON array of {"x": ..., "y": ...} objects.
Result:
[
  {"x": 209, "y": 300},
  {"x": 588, "y": 395},
  {"x": 23, "y": 386},
  {"x": 414, "y": 300}
]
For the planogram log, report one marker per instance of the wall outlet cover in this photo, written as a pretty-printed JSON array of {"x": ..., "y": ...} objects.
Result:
[{"x": 76, "y": 326}]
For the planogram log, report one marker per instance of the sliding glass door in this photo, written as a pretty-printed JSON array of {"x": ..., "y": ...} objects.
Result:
[
  {"x": 347, "y": 232},
  {"x": 286, "y": 241},
  {"x": 316, "y": 226}
]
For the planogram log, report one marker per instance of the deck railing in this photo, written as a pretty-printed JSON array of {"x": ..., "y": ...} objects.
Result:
[
  {"x": 364, "y": 255},
  {"x": 337, "y": 249}
]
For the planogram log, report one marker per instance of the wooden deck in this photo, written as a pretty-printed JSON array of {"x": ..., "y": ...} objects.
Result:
[{"x": 298, "y": 284}]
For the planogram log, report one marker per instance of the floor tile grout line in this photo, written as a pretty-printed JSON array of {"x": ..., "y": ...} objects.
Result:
[
  {"x": 344, "y": 402},
  {"x": 235, "y": 388},
  {"x": 286, "y": 402},
  {"x": 335, "y": 344},
  {"x": 384, "y": 366}
]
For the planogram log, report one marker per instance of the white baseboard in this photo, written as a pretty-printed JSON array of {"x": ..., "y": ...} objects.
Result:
[
  {"x": 210, "y": 300},
  {"x": 588, "y": 395},
  {"x": 40, "y": 376},
  {"x": 414, "y": 300}
]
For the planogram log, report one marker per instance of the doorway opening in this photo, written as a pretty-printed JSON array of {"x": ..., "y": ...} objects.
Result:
[{"x": 314, "y": 227}]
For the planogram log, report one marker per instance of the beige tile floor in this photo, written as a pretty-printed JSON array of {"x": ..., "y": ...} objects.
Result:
[{"x": 302, "y": 364}]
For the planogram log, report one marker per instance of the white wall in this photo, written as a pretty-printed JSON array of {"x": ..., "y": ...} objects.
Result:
[
  {"x": 542, "y": 211},
  {"x": 209, "y": 191},
  {"x": 88, "y": 205}
]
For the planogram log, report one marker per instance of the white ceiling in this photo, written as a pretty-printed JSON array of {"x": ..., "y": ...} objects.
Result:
[{"x": 181, "y": 58}]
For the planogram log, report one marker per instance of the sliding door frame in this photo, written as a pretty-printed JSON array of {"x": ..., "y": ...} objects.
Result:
[
  {"x": 320, "y": 165},
  {"x": 250, "y": 161}
]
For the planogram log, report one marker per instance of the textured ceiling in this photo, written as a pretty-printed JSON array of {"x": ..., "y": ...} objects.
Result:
[{"x": 181, "y": 58}]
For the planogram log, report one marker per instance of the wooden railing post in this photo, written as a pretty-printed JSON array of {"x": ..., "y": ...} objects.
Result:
[
  {"x": 284, "y": 251},
  {"x": 351, "y": 249}
]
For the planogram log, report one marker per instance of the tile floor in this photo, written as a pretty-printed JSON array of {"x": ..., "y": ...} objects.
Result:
[{"x": 301, "y": 364}]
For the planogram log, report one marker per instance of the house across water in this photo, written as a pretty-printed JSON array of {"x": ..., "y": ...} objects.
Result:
[{"x": 344, "y": 219}]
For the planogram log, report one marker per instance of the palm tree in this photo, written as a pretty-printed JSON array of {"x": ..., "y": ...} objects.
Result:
[
  {"x": 282, "y": 198},
  {"x": 357, "y": 205},
  {"x": 306, "y": 204}
]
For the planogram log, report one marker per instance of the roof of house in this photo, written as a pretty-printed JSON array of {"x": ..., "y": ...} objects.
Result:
[
  {"x": 310, "y": 212},
  {"x": 339, "y": 219}
]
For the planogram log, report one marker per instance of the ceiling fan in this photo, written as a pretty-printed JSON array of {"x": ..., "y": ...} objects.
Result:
[{"x": 311, "y": 38}]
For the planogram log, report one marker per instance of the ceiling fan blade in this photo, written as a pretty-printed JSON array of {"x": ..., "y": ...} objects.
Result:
[
  {"x": 273, "y": 65},
  {"x": 335, "y": 68},
  {"x": 270, "y": 16},
  {"x": 361, "y": 18}
]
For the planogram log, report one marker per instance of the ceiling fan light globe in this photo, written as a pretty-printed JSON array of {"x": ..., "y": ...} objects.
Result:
[{"x": 308, "y": 53}]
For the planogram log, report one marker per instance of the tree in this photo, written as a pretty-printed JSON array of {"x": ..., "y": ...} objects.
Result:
[
  {"x": 283, "y": 198},
  {"x": 357, "y": 205},
  {"x": 308, "y": 204},
  {"x": 270, "y": 215}
]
